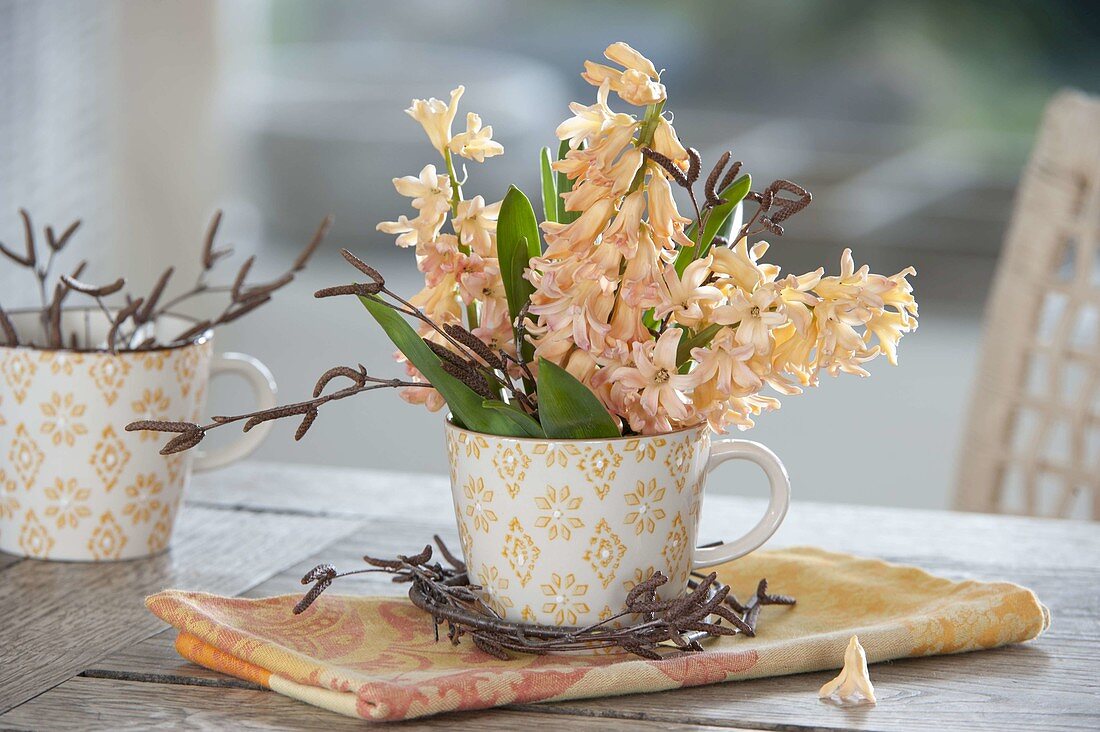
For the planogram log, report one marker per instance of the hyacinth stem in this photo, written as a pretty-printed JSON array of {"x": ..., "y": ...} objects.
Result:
[
  {"x": 645, "y": 139},
  {"x": 456, "y": 198}
]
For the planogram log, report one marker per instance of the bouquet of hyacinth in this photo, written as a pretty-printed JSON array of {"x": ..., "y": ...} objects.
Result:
[{"x": 617, "y": 314}]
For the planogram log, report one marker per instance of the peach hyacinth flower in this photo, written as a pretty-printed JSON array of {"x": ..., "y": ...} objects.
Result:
[
  {"x": 476, "y": 143},
  {"x": 637, "y": 84},
  {"x": 655, "y": 374},
  {"x": 436, "y": 116}
]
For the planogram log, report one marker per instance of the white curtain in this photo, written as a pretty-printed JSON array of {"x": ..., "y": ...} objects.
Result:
[{"x": 106, "y": 114}]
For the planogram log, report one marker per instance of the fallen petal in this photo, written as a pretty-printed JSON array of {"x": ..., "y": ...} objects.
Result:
[{"x": 853, "y": 684}]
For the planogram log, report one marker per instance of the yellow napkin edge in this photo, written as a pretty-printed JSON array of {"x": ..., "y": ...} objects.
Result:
[{"x": 1000, "y": 588}]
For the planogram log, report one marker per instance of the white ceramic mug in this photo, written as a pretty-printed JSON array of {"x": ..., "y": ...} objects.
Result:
[
  {"x": 558, "y": 532},
  {"x": 74, "y": 485}
]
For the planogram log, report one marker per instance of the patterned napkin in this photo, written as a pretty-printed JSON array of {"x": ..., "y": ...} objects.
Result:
[{"x": 377, "y": 658}]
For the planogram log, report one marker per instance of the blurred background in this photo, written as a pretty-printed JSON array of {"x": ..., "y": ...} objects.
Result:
[{"x": 909, "y": 121}]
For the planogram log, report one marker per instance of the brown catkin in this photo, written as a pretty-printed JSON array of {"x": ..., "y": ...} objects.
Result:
[
  {"x": 335, "y": 371},
  {"x": 446, "y": 354},
  {"x": 363, "y": 267},
  {"x": 182, "y": 442},
  {"x": 209, "y": 256},
  {"x": 367, "y": 290},
  {"x": 160, "y": 425},
  {"x": 307, "y": 422},
  {"x": 475, "y": 344},
  {"x": 730, "y": 175},
  {"x": 306, "y": 254},
  {"x": 669, "y": 167},
  {"x": 712, "y": 180},
  {"x": 695, "y": 165},
  {"x": 86, "y": 289}
]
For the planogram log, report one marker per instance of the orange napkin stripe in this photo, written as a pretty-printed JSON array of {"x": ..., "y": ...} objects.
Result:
[{"x": 198, "y": 651}]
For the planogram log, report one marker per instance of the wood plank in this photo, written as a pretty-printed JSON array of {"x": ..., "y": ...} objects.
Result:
[
  {"x": 988, "y": 690},
  {"x": 60, "y": 617},
  {"x": 103, "y": 704},
  {"x": 903, "y": 535},
  {"x": 1047, "y": 684},
  {"x": 7, "y": 560}
]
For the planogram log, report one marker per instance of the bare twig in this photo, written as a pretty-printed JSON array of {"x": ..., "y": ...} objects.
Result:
[
  {"x": 657, "y": 626},
  {"x": 308, "y": 409}
]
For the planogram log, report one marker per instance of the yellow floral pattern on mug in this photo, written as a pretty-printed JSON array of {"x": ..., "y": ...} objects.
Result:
[
  {"x": 144, "y": 493},
  {"x": 478, "y": 509},
  {"x": 600, "y": 466},
  {"x": 61, "y": 419},
  {"x": 564, "y": 601},
  {"x": 107, "y": 539},
  {"x": 644, "y": 450},
  {"x": 559, "y": 512},
  {"x": 601, "y": 514},
  {"x": 494, "y": 589},
  {"x": 109, "y": 457},
  {"x": 67, "y": 462},
  {"x": 605, "y": 553},
  {"x": 520, "y": 551},
  {"x": 109, "y": 375},
  {"x": 555, "y": 453},
  {"x": 34, "y": 538},
  {"x": 61, "y": 363},
  {"x": 675, "y": 545},
  {"x": 153, "y": 404},
  {"x": 162, "y": 530},
  {"x": 678, "y": 462},
  {"x": 25, "y": 456},
  {"x": 511, "y": 464},
  {"x": 68, "y": 503},
  {"x": 9, "y": 502},
  {"x": 18, "y": 371},
  {"x": 645, "y": 500}
]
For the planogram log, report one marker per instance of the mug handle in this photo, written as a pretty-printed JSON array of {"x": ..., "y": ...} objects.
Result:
[
  {"x": 731, "y": 449},
  {"x": 263, "y": 388}
]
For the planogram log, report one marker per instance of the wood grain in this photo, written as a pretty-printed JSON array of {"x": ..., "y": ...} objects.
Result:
[
  {"x": 983, "y": 691},
  {"x": 304, "y": 516},
  {"x": 905, "y": 535},
  {"x": 59, "y": 617},
  {"x": 103, "y": 704}
]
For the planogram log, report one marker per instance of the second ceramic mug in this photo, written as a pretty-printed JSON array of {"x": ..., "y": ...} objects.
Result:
[
  {"x": 557, "y": 532},
  {"x": 74, "y": 485}
]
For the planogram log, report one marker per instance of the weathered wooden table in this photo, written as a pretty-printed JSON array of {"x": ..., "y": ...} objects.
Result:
[{"x": 78, "y": 650}]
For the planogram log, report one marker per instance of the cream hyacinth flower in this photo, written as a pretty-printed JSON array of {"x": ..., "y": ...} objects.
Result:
[
  {"x": 655, "y": 373},
  {"x": 753, "y": 316},
  {"x": 436, "y": 117},
  {"x": 637, "y": 84},
  {"x": 476, "y": 143},
  {"x": 475, "y": 223},
  {"x": 683, "y": 297},
  {"x": 588, "y": 122}
]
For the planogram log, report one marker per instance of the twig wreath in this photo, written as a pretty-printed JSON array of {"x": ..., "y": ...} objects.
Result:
[{"x": 644, "y": 627}]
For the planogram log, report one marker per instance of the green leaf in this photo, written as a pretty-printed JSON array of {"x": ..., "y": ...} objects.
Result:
[
  {"x": 521, "y": 419},
  {"x": 549, "y": 187},
  {"x": 517, "y": 242},
  {"x": 699, "y": 340},
  {"x": 467, "y": 407},
  {"x": 564, "y": 186},
  {"x": 722, "y": 215},
  {"x": 568, "y": 409}
]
